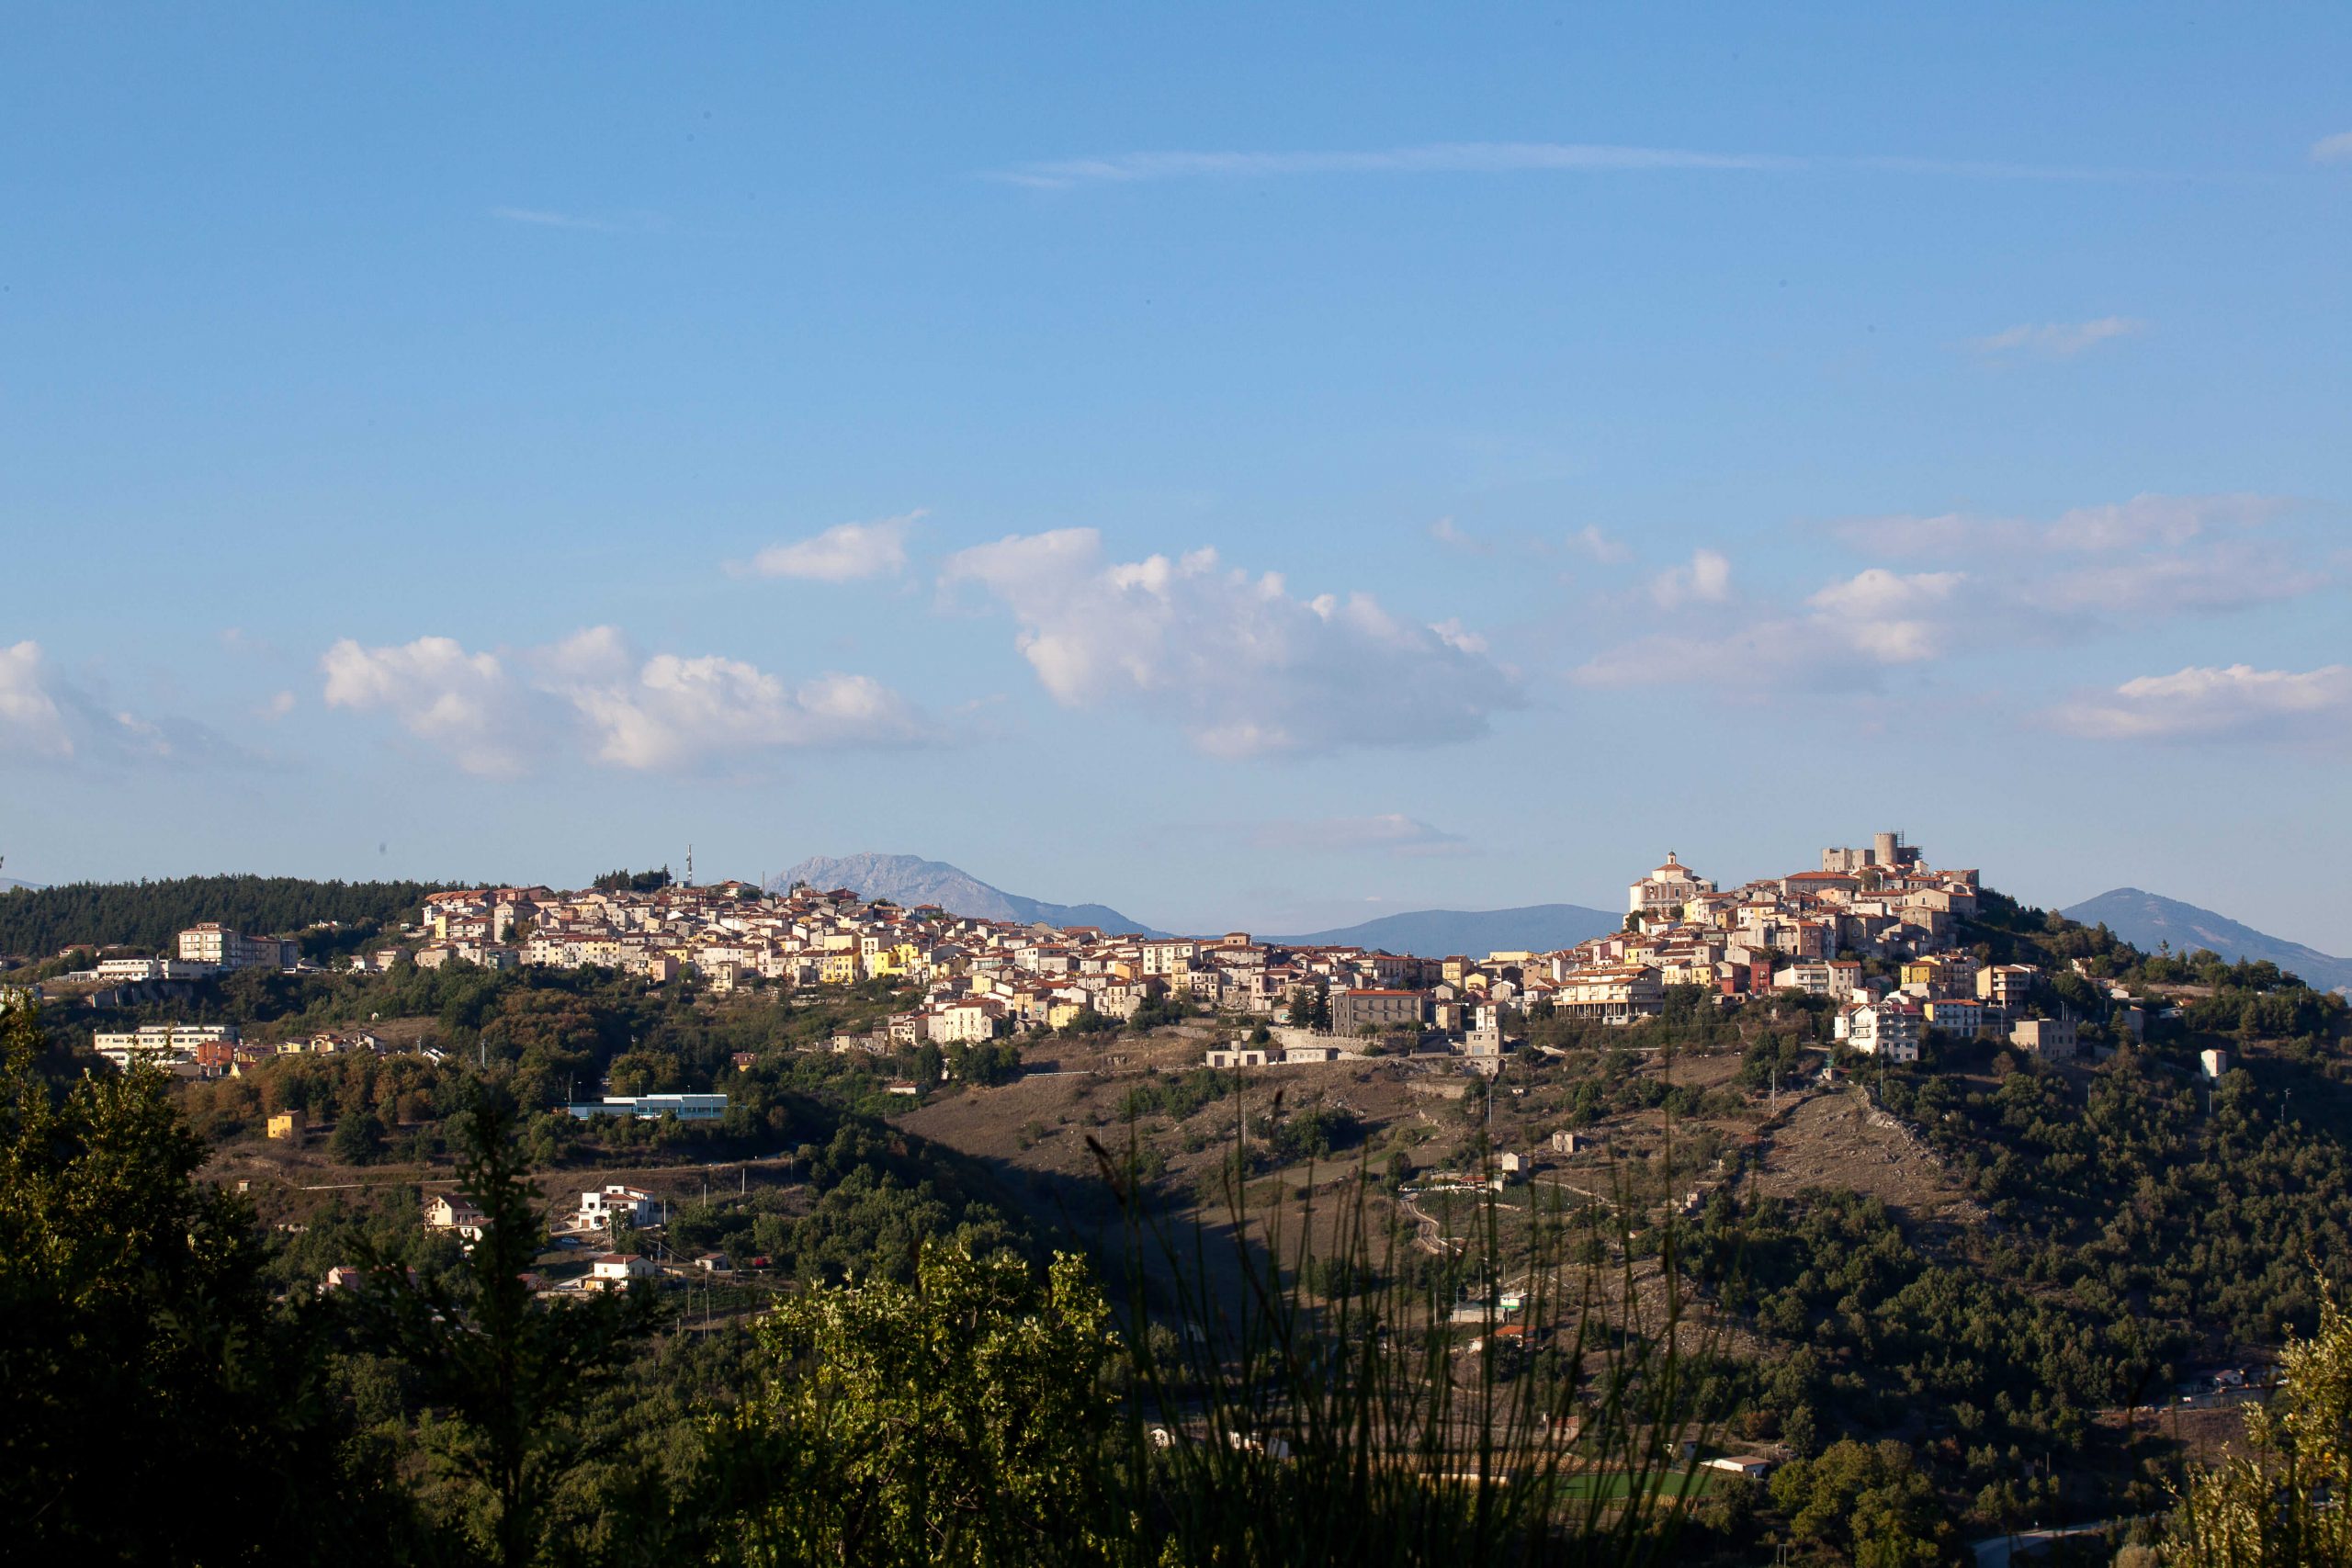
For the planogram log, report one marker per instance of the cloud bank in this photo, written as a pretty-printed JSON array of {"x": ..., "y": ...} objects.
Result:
[
  {"x": 497, "y": 717},
  {"x": 1243, "y": 666},
  {"x": 47, "y": 718},
  {"x": 2237, "y": 702},
  {"x": 2090, "y": 569}
]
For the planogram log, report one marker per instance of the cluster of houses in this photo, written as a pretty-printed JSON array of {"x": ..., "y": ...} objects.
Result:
[
  {"x": 602, "y": 1213},
  {"x": 978, "y": 979},
  {"x": 1873, "y": 930},
  {"x": 1878, "y": 909},
  {"x": 216, "y": 1050}
]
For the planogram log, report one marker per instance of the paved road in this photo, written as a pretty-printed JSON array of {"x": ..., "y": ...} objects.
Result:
[{"x": 1998, "y": 1551}]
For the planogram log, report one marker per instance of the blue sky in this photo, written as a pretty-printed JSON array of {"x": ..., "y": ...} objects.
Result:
[{"x": 1249, "y": 470}]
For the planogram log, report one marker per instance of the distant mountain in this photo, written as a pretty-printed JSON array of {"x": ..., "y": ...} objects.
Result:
[
  {"x": 1440, "y": 933},
  {"x": 2145, "y": 920},
  {"x": 8, "y": 883},
  {"x": 907, "y": 880}
]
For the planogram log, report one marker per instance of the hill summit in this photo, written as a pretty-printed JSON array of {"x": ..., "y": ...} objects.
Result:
[
  {"x": 2148, "y": 920},
  {"x": 909, "y": 880}
]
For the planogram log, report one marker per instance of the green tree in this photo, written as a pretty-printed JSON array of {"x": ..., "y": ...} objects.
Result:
[
  {"x": 508, "y": 1379},
  {"x": 958, "y": 1419},
  {"x": 138, "y": 1335},
  {"x": 358, "y": 1138},
  {"x": 2282, "y": 1503},
  {"x": 1868, "y": 1501}
]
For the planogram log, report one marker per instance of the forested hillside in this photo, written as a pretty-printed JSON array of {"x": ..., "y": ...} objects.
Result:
[{"x": 40, "y": 923}]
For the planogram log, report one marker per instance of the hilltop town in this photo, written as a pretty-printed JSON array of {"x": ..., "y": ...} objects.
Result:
[{"x": 1874, "y": 929}]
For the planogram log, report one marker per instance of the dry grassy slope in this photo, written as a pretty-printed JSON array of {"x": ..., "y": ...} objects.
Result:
[
  {"x": 1036, "y": 1129},
  {"x": 1835, "y": 1139},
  {"x": 1034, "y": 1132}
]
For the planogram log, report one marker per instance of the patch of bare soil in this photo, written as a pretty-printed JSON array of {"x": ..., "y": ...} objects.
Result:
[{"x": 1837, "y": 1139}]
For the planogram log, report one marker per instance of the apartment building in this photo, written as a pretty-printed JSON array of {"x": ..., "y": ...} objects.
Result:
[{"x": 225, "y": 948}]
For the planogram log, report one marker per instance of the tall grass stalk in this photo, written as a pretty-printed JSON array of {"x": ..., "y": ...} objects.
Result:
[{"x": 1388, "y": 1424}]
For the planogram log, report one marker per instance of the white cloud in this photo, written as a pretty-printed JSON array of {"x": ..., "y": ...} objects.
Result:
[
  {"x": 45, "y": 717},
  {"x": 2059, "y": 340},
  {"x": 840, "y": 553},
  {"x": 2206, "y": 580},
  {"x": 465, "y": 704},
  {"x": 1243, "y": 666},
  {"x": 665, "y": 713},
  {"x": 1707, "y": 580},
  {"x": 2149, "y": 557},
  {"x": 673, "y": 712},
  {"x": 2204, "y": 703},
  {"x": 2145, "y": 521},
  {"x": 1888, "y": 617},
  {"x": 1597, "y": 545},
  {"x": 280, "y": 704},
  {"x": 1851, "y": 630},
  {"x": 2126, "y": 565},
  {"x": 29, "y": 716},
  {"x": 1445, "y": 532},
  {"x": 2150, "y": 520},
  {"x": 1483, "y": 158},
  {"x": 1390, "y": 832},
  {"x": 2335, "y": 148}
]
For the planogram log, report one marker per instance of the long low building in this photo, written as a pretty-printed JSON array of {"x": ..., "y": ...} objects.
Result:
[
  {"x": 161, "y": 1043},
  {"x": 1610, "y": 996},
  {"x": 654, "y": 1107}
]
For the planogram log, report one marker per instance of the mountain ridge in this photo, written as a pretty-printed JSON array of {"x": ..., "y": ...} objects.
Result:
[
  {"x": 2147, "y": 919},
  {"x": 1440, "y": 933},
  {"x": 910, "y": 879}
]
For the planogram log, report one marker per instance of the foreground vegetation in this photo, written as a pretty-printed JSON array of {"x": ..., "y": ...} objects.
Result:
[{"x": 979, "y": 1410}]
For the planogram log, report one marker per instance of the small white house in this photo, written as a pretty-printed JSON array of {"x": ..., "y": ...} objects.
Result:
[{"x": 619, "y": 1271}]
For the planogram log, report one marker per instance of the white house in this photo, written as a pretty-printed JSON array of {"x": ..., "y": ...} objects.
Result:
[
  {"x": 1890, "y": 1028},
  {"x": 972, "y": 1020},
  {"x": 448, "y": 1213},
  {"x": 617, "y": 1271},
  {"x": 597, "y": 1209}
]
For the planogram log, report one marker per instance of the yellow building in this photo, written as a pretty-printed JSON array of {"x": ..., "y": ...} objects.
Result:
[
  {"x": 838, "y": 969},
  {"x": 893, "y": 960},
  {"x": 287, "y": 1126}
]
